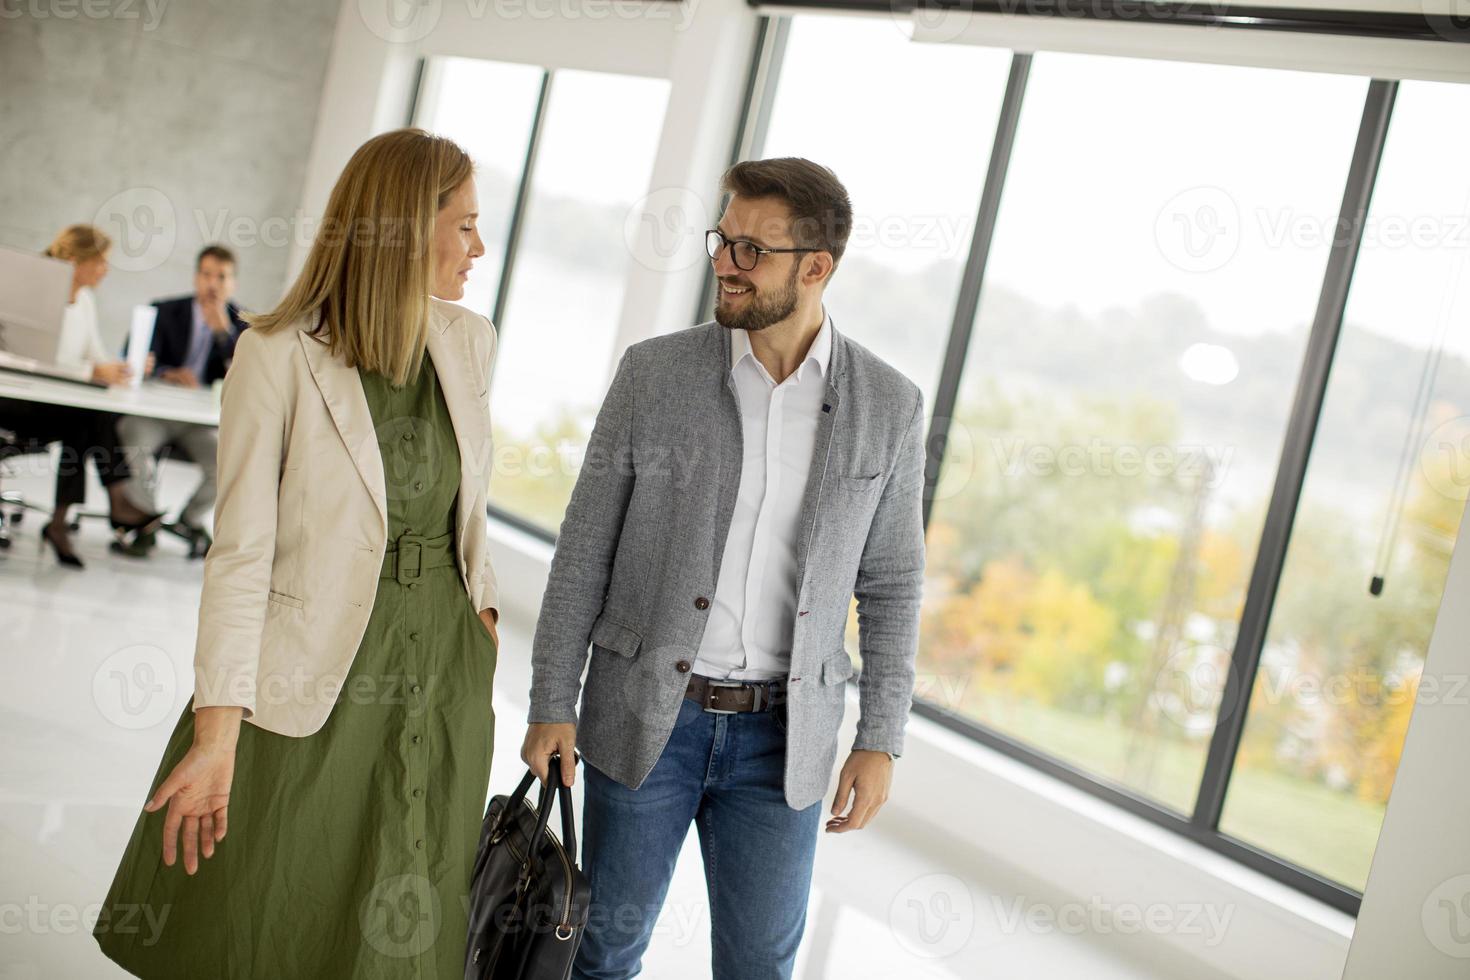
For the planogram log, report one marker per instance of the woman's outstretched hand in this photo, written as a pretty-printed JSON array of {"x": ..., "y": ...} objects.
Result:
[{"x": 197, "y": 792}]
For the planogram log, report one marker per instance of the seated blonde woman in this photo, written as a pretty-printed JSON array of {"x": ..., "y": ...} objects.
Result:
[{"x": 83, "y": 433}]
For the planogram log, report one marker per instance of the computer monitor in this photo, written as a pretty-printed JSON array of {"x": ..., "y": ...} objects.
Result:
[{"x": 34, "y": 291}]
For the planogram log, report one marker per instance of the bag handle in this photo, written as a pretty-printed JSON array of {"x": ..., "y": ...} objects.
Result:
[
  {"x": 564, "y": 802},
  {"x": 543, "y": 809}
]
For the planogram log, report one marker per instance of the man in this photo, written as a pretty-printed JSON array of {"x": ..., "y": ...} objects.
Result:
[
  {"x": 744, "y": 480},
  {"x": 193, "y": 342}
]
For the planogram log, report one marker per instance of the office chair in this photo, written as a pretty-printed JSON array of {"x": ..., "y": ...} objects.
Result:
[{"x": 13, "y": 504}]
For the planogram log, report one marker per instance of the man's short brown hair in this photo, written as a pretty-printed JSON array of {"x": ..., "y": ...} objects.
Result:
[
  {"x": 821, "y": 213},
  {"x": 216, "y": 252}
]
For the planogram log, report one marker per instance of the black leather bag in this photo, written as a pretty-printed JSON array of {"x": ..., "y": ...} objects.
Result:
[{"x": 528, "y": 899}]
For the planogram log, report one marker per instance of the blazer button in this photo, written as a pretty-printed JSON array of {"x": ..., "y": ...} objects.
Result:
[
  {"x": 682, "y": 666},
  {"x": 701, "y": 603}
]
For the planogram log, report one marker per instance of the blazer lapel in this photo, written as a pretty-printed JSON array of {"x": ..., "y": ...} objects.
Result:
[
  {"x": 821, "y": 455},
  {"x": 465, "y": 396},
  {"x": 341, "y": 389}
]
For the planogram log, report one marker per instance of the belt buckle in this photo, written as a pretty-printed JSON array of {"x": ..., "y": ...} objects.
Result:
[
  {"x": 730, "y": 711},
  {"x": 406, "y": 572}
]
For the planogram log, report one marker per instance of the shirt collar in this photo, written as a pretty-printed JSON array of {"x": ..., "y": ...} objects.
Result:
[{"x": 819, "y": 353}]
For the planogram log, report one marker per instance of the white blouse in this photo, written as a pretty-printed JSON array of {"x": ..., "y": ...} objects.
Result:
[{"x": 81, "y": 345}]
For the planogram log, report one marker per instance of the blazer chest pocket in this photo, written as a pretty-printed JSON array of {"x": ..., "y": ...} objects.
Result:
[
  {"x": 281, "y": 598},
  {"x": 614, "y": 637}
]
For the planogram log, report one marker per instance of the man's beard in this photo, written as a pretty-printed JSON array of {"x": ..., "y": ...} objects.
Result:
[{"x": 762, "y": 310}]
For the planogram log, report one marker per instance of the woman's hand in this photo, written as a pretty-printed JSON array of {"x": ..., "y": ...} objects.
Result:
[
  {"x": 198, "y": 790},
  {"x": 112, "y": 373},
  {"x": 488, "y": 617}
]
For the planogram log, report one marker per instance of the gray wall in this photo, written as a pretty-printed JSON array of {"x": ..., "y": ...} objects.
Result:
[{"x": 161, "y": 121}]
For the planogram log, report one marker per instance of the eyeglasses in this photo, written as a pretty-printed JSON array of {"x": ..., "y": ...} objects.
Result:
[{"x": 744, "y": 254}]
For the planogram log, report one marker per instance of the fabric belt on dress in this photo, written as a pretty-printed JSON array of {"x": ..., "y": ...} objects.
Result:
[
  {"x": 729, "y": 697},
  {"x": 408, "y": 555}
]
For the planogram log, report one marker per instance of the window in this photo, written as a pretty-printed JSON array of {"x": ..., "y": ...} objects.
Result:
[
  {"x": 1123, "y": 403},
  {"x": 912, "y": 168},
  {"x": 1384, "y": 493},
  {"x": 595, "y": 136},
  {"x": 488, "y": 108}
]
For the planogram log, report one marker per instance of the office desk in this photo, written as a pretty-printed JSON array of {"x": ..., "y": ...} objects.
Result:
[{"x": 151, "y": 399}]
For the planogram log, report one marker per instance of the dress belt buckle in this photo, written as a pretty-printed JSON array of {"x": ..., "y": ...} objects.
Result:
[
  {"x": 711, "y": 685},
  {"x": 404, "y": 570}
]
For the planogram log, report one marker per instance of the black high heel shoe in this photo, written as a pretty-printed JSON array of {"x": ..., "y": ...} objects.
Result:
[{"x": 69, "y": 559}]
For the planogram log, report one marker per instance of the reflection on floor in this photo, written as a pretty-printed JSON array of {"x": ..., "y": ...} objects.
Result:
[{"x": 99, "y": 664}]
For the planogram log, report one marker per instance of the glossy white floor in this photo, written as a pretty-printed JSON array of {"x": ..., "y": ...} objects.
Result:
[{"x": 99, "y": 666}]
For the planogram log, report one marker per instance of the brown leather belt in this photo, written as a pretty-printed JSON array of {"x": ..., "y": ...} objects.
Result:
[{"x": 730, "y": 697}]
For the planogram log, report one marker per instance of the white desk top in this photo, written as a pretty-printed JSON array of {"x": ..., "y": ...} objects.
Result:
[{"x": 151, "y": 399}]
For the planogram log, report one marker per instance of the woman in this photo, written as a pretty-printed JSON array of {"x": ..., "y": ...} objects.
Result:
[
  {"x": 348, "y": 615},
  {"x": 83, "y": 433}
]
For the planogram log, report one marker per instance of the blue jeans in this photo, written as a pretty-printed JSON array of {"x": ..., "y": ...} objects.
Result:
[{"x": 726, "y": 773}]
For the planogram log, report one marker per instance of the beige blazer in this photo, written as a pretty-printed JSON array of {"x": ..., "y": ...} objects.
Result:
[{"x": 301, "y": 522}]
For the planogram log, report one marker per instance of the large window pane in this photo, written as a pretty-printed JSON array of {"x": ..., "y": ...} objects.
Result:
[
  {"x": 886, "y": 123},
  {"x": 487, "y": 107},
  {"x": 594, "y": 162},
  {"x": 1340, "y": 669},
  {"x": 1123, "y": 403}
]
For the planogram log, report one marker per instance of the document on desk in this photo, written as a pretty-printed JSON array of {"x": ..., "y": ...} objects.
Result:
[{"x": 140, "y": 341}]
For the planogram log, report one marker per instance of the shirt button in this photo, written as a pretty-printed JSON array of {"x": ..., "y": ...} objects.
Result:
[
  {"x": 682, "y": 666},
  {"x": 701, "y": 603}
]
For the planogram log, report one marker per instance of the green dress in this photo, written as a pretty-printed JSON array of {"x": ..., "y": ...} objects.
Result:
[{"x": 349, "y": 851}]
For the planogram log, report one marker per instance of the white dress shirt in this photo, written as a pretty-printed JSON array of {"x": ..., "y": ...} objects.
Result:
[
  {"x": 80, "y": 344},
  {"x": 752, "y": 616}
]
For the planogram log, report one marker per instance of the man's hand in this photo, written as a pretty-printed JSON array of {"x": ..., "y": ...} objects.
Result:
[
  {"x": 181, "y": 376},
  {"x": 543, "y": 741},
  {"x": 865, "y": 779},
  {"x": 216, "y": 315}
]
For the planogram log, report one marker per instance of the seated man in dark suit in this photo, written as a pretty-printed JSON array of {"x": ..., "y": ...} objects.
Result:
[{"x": 193, "y": 342}]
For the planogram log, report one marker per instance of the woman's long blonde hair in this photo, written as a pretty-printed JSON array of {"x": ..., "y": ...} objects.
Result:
[
  {"x": 78, "y": 243},
  {"x": 371, "y": 268}
]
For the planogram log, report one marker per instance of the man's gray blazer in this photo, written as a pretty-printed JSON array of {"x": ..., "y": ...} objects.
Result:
[{"x": 639, "y": 552}]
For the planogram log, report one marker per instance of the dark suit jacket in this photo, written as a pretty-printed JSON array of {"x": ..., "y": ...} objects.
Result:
[{"x": 174, "y": 329}]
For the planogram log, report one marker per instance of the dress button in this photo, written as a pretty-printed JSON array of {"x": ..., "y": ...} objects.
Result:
[
  {"x": 418, "y": 845},
  {"x": 417, "y": 739},
  {"x": 418, "y": 486},
  {"x": 682, "y": 666},
  {"x": 413, "y": 585},
  {"x": 418, "y": 794},
  {"x": 414, "y": 637},
  {"x": 415, "y": 689},
  {"x": 408, "y": 437},
  {"x": 701, "y": 603}
]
